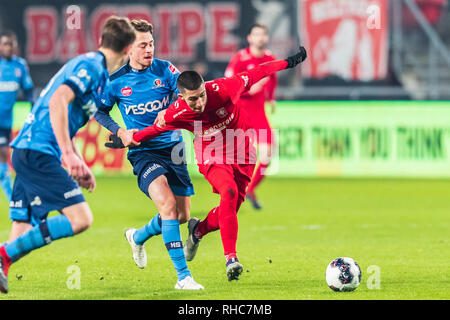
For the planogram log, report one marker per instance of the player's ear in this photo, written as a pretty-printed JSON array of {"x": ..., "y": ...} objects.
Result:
[{"x": 127, "y": 49}]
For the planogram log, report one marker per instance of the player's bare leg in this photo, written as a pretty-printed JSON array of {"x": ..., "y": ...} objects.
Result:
[
  {"x": 167, "y": 206},
  {"x": 164, "y": 200},
  {"x": 73, "y": 220},
  {"x": 18, "y": 228},
  {"x": 80, "y": 216},
  {"x": 183, "y": 207}
]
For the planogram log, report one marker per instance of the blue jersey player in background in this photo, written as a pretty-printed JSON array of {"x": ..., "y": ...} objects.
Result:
[
  {"x": 42, "y": 185},
  {"x": 141, "y": 88},
  {"x": 14, "y": 75}
]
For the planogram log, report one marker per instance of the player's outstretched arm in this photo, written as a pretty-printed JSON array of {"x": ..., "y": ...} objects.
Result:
[
  {"x": 153, "y": 131},
  {"x": 145, "y": 134},
  {"x": 243, "y": 81},
  {"x": 268, "y": 68}
]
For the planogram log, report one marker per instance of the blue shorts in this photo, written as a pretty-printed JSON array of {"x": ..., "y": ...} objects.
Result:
[
  {"x": 41, "y": 185},
  {"x": 5, "y": 136},
  {"x": 150, "y": 164}
]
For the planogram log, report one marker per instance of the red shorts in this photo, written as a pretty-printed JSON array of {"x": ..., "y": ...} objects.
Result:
[{"x": 242, "y": 173}]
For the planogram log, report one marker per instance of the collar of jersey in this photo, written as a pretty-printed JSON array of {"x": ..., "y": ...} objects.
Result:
[
  {"x": 131, "y": 69},
  {"x": 104, "y": 58}
]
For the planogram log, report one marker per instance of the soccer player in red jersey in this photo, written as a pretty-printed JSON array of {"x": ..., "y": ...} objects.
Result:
[
  {"x": 253, "y": 101},
  {"x": 223, "y": 146}
]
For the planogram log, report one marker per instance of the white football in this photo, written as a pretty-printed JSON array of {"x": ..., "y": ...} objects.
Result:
[{"x": 343, "y": 274}]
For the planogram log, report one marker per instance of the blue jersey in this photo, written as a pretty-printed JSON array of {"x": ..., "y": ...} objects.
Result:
[
  {"x": 140, "y": 95},
  {"x": 87, "y": 76},
  {"x": 14, "y": 75}
]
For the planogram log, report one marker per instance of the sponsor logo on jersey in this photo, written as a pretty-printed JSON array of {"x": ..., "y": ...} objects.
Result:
[
  {"x": 9, "y": 86},
  {"x": 173, "y": 69},
  {"x": 78, "y": 82},
  {"x": 126, "y": 91},
  {"x": 149, "y": 106},
  {"x": 90, "y": 108},
  {"x": 178, "y": 113},
  {"x": 216, "y": 128},
  {"x": 158, "y": 84},
  {"x": 222, "y": 113}
]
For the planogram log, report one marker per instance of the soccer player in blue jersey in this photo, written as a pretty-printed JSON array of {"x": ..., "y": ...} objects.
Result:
[
  {"x": 14, "y": 75},
  {"x": 141, "y": 88},
  {"x": 42, "y": 185}
]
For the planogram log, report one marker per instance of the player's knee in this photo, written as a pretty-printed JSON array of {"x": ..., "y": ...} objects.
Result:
[
  {"x": 81, "y": 221},
  {"x": 229, "y": 192},
  {"x": 168, "y": 209}
]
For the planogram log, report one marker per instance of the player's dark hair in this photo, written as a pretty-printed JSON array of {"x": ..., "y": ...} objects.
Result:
[
  {"x": 117, "y": 33},
  {"x": 8, "y": 33},
  {"x": 142, "y": 25},
  {"x": 256, "y": 25},
  {"x": 189, "y": 80}
]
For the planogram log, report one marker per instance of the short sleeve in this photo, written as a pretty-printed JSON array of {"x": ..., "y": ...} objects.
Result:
[
  {"x": 107, "y": 97},
  {"x": 83, "y": 78}
]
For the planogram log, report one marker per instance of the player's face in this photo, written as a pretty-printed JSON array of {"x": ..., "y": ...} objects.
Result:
[
  {"x": 142, "y": 49},
  {"x": 6, "y": 47},
  {"x": 258, "y": 38},
  {"x": 195, "y": 99}
]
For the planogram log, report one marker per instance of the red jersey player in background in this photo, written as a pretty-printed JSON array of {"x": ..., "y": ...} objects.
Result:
[
  {"x": 254, "y": 100},
  {"x": 223, "y": 146}
]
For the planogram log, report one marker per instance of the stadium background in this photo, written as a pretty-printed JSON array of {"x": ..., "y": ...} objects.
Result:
[
  {"x": 372, "y": 103},
  {"x": 357, "y": 52}
]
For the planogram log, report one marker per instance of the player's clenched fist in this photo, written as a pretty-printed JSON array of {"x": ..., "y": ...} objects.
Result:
[
  {"x": 88, "y": 180},
  {"x": 159, "y": 121},
  {"x": 127, "y": 137},
  {"x": 74, "y": 164}
]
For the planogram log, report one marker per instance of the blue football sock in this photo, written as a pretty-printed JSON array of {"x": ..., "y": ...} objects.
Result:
[
  {"x": 172, "y": 239},
  {"x": 153, "y": 228},
  {"x": 5, "y": 180},
  {"x": 43, "y": 234}
]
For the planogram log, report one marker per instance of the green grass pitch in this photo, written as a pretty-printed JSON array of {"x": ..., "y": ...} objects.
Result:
[{"x": 401, "y": 227}]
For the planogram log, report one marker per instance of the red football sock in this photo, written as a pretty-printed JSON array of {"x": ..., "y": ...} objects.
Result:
[
  {"x": 209, "y": 224},
  {"x": 257, "y": 177},
  {"x": 223, "y": 181}
]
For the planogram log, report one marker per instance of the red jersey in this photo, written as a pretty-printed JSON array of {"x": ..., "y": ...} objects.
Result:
[
  {"x": 262, "y": 91},
  {"x": 221, "y": 132}
]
